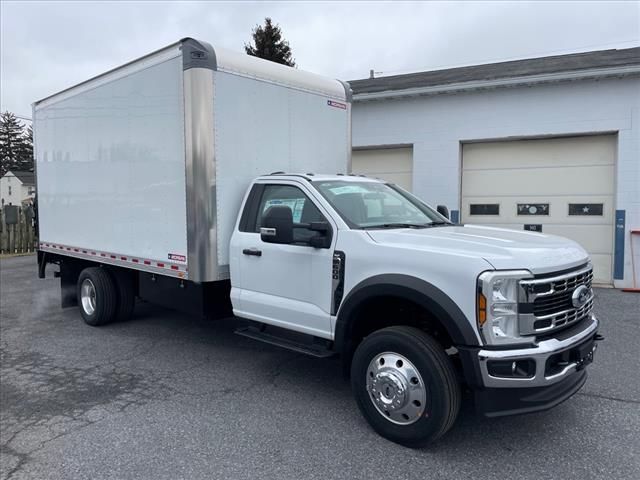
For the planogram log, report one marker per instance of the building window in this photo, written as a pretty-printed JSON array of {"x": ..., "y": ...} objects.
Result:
[
  {"x": 484, "y": 209},
  {"x": 586, "y": 209},
  {"x": 533, "y": 209},
  {"x": 9, "y": 190}
]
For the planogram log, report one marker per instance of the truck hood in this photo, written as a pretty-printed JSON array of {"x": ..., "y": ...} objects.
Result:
[{"x": 502, "y": 248}]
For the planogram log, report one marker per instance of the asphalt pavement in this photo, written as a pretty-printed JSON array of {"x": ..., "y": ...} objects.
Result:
[{"x": 168, "y": 396}]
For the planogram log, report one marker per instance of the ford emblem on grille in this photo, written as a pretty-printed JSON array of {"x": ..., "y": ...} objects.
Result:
[{"x": 580, "y": 296}]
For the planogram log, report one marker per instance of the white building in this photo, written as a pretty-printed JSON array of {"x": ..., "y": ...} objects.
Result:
[
  {"x": 17, "y": 188},
  {"x": 549, "y": 144}
]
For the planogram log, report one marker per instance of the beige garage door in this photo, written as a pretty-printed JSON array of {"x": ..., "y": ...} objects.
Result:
[
  {"x": 392, "y": 164},
  {"x": 563, "y": 186}
]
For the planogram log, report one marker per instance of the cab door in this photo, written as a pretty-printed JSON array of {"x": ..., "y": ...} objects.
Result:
[{"x": 287, "y": 285}]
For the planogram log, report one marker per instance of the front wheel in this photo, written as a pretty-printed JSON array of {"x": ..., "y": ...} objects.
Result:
[{"x": 405, "y": 385}]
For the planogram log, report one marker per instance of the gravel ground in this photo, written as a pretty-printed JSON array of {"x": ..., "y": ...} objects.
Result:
[{"x": 167, "y": 396}]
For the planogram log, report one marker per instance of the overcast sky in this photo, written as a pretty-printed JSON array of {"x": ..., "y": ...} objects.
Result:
[{"x": 47, "y": 46}]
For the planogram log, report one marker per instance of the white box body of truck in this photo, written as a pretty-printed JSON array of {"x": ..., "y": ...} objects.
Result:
[{"x": 146, "y": 166}]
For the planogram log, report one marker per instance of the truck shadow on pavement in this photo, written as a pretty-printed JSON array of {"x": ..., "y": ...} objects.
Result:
[{"x": 321, "y": 382}]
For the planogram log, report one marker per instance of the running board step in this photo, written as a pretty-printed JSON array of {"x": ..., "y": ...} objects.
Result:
[{"x": 319, "y": 351}]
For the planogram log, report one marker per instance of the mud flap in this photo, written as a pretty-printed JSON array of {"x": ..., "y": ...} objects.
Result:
[{"x": 69, "y": 273}]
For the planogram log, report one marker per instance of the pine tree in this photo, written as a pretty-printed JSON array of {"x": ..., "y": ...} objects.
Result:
[
  {"x": 11, "y": 143},
  {"x": 25, "y": 158},
  {"x": 269, "y": 44}
]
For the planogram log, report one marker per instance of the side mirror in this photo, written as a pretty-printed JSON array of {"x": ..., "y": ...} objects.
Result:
[
  {"x": 323, "y": 238},
  {"x": 322, "y": 227},
  {"x": 277, "y": 225},
  {"x": 443, "y": 210}
]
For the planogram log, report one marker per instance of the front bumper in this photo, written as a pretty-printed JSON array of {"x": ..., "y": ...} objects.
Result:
[
  {"x": 499, "y": 402},
  {"x": 559, "y": 372},
  {"x": 541, "y": 354}
]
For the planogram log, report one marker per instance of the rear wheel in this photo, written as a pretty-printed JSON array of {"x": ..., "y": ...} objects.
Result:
[
  {"x": 405, "y": 385},
  {"x": 126, "y": 294},
  {"x": 97, "y": 296}
]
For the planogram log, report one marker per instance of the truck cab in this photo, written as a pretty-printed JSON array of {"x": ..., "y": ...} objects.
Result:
[{"x": 418, "y": 307}]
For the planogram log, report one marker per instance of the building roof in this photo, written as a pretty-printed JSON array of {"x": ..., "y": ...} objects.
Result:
[
  {"x": 26, "y": 177},
  {"x": 530, "y": 67}
]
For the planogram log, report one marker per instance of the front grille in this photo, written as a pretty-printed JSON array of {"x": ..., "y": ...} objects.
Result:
[
  {"x": 565, "y": 317},
  {"x": 548, "y": 302},
  {"x": 570, "y": 283},
  {"x": 553, "y": 303}
]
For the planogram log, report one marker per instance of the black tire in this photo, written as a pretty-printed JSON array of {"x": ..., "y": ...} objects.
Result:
[
  {"x": 126, "y": 294},
  {"x": 438, "y": 374},
  {"x": 105, "y": 296}
]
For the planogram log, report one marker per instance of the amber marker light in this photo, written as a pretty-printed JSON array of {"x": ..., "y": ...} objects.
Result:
[{"x": 482, "y": 309}]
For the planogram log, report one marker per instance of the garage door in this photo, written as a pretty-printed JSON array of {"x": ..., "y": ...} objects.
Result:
[
  {"x": 392, "y": 164},
  {"x": 562, "y": 186}
]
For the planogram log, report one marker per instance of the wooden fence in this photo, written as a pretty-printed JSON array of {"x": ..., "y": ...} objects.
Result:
[{"x": 17, "y": 233}]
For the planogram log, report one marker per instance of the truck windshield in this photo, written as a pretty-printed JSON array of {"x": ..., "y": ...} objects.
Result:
[{"x": 371, "y": 205}]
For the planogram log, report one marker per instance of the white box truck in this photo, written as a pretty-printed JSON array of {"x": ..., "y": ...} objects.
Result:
[{"x": 217, "y": 183}]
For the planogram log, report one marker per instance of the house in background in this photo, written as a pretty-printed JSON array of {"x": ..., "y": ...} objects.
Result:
[
  {"x": 17, "y": 187},
  {"x": 547, "y": 144}
]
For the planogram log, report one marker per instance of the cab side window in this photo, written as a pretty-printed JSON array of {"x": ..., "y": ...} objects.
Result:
[{"x": 302, "y": 208}]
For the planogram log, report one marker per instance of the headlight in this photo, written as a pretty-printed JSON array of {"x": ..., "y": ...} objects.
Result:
[{"x": 497, "y": 304}]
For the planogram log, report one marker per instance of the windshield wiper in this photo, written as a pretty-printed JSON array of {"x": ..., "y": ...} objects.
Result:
[
  {"x": 398, "y": 225},
  {"x": 438, "y": 223}
]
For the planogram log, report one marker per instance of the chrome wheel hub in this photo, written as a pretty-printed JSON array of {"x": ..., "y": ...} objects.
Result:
[
  {"x": 88, "y": 296},
  {"x": 396, "y": 388}
]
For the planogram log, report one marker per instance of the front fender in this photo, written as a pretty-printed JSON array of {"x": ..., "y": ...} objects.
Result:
[{"x": 458, "y": 326}]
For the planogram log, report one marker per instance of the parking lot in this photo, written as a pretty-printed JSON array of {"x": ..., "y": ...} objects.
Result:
[{"x": 171, "y": 396}]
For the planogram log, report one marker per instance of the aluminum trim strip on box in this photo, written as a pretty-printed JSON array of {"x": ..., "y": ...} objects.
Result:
[{"x": 200, "y": 175}]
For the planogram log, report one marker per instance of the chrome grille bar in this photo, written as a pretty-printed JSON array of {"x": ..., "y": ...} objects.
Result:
[
  {"x": 542, "y": 287},
  {"x": 549, "y": 301}
]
